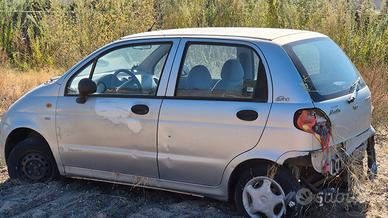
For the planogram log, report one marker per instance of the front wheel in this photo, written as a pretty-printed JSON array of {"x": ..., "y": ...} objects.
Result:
[
  {"x": 32, "y": 161},
  {"x": 264, "y": 192}
]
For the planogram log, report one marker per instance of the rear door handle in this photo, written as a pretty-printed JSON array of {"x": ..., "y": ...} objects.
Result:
[
  {"x": 140, "y": 109},
  {"x": 247, "y": 115}
]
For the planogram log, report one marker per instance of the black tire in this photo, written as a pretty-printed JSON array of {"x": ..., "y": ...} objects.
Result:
[
  {"x": 282, "y": 176},
  {"x": 32, "y": 161}
]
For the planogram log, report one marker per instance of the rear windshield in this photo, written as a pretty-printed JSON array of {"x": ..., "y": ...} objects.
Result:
[{"x": 325, "y": 69}]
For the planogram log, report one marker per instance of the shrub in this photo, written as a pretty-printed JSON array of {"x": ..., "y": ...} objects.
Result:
[{"x": 57, "y": 33}]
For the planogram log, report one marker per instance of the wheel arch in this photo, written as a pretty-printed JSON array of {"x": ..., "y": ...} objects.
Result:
[
  {"x": 19, "y": 134},
  {"x": 233, "y": 178}
]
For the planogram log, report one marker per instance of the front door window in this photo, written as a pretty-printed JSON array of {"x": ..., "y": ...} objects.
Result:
[{"x": 132, "y": 70}]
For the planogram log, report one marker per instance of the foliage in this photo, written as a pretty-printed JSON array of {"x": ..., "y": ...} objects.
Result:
[
  {"x": 50, "y": 33},
  {"x": 358, "y": 29},
  {"x": 58, "y": 33},
  {"x": 35, "y": 33}
]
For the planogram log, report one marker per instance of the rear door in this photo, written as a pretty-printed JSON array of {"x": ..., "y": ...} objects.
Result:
[
  {"x": 215, "y": 109},
  {"x": 335, "y": 85}
]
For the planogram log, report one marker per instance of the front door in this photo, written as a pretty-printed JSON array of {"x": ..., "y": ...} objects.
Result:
[
  {"x": 114, "y": 131},
  {"x": 215, "y": 109}
]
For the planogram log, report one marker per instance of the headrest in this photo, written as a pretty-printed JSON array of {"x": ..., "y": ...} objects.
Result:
[
  {"x": 199, "y": 78},
  {"x": 232, "y": 71}
]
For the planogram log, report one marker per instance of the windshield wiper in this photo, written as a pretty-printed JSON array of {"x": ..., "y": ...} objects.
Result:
[{"x": 354, "y": 86}]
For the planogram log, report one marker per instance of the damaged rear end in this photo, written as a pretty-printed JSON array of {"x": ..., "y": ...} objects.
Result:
[{"x": 340, "y": 122}]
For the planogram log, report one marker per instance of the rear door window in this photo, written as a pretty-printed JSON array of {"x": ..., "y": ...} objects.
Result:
[
  {"x": 325, "y": 69},
  {"x": 222, "y": 71}
]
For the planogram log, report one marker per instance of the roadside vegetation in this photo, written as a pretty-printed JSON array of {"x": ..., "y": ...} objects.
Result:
[
  {"x": 41, "y": 38},
  {"x": 14, "y": 83}
]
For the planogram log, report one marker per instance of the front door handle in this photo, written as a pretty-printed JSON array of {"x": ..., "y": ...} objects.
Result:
[
  {"x": 140, "y": 109},
  {"x": 247, "y": 115}
]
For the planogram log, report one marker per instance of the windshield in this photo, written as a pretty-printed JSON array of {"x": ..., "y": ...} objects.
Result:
[{"x": 325, "y": 69}]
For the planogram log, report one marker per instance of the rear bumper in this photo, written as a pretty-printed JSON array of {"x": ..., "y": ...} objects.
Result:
[{"x": 342, "y": 154}]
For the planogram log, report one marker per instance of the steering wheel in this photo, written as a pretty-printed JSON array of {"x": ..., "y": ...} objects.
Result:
[{"x": 132, "y": 82}]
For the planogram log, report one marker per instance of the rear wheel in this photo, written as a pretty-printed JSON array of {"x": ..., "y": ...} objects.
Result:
[
  {"x": 264, "y": 192},
  {"x": 32, "y": 161}
]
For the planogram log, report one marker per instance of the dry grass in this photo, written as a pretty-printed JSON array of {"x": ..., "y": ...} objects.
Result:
[
  {"x": 375, "y": 194},
  {"x": 14, "y": 84},
  {"x": 377, "y": 80},
  {"x": 372, "y": 196}
]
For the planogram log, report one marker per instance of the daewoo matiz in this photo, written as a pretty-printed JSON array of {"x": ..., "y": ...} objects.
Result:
[{"x": 243, "y": 114}]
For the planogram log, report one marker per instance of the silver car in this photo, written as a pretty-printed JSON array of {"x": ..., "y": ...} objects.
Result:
[{"x": 244, "y": 114}]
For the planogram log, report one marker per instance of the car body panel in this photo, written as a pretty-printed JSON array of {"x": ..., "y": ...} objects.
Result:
[
  {"x": 217, "y": 192},
  {"x": 35, "y": 111},
  {"x": 203, "y": 136},
  {"x": 112, "y": 138}
]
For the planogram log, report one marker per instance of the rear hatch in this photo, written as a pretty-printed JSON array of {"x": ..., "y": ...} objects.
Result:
[{"x": 335, "y": 85}]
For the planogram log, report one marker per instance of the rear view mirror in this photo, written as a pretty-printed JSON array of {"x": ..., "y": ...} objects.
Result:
[{"x": 86, "y": 87}]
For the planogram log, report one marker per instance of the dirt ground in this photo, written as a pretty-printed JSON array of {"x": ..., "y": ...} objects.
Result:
[{"x": 78, "y": 198}]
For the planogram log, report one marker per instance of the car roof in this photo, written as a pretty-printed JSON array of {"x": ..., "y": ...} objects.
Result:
[{"x": 246, "y": 32}]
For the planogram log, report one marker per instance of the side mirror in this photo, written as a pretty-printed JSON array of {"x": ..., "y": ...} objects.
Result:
[{"x": 86, "y": 87}]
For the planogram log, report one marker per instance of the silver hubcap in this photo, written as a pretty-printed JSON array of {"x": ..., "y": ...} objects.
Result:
[{"x": 263, "y": 196}]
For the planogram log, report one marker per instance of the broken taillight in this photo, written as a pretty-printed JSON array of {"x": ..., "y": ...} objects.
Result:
[{"x": 316, "y": 122}]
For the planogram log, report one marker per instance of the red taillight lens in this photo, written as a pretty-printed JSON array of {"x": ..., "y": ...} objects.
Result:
[{"x": 316, "y": 122}]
